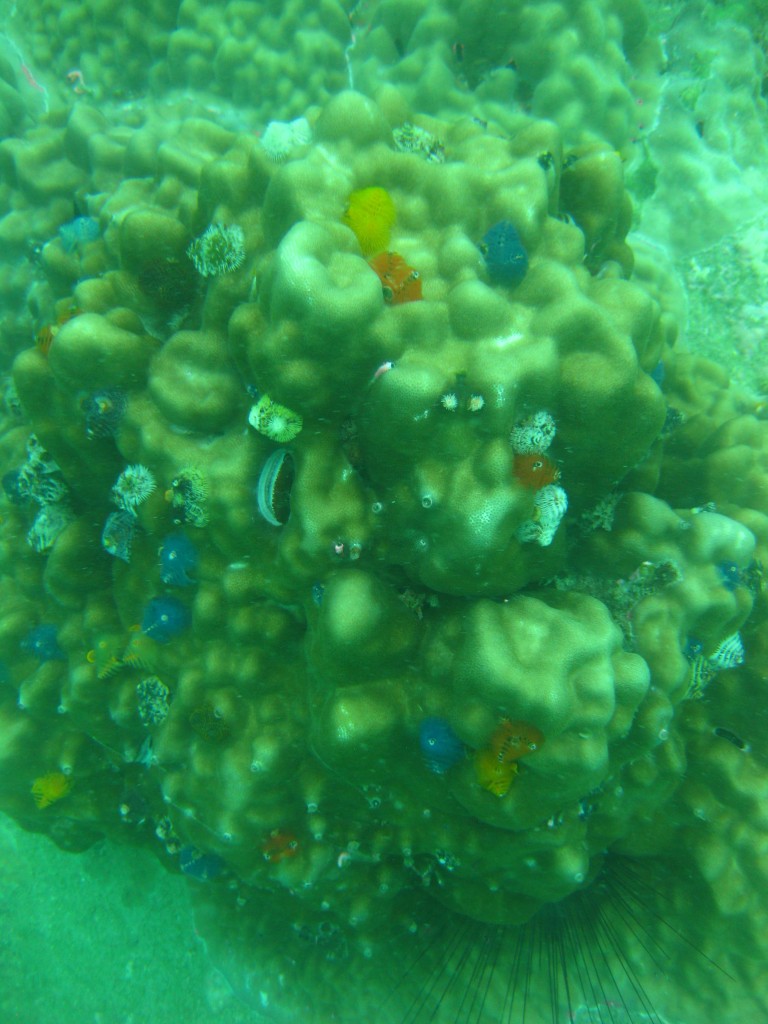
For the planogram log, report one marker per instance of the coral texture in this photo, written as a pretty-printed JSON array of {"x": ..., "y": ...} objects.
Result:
[{"x": 507, "y": 507}]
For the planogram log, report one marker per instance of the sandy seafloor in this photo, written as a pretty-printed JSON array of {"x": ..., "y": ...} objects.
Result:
[
  {"x": 102, "y": 937},
  {"x": 108, "y": 937}
]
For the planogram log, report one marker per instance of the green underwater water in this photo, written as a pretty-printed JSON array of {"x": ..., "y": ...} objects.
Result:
[{"x": 266, "y": 839}]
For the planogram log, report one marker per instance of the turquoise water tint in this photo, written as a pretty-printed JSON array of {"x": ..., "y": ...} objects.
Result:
[{"x": 384, "y": 512}]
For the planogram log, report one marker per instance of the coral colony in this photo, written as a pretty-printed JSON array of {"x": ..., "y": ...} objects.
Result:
[{"x": 371, "y": 552}]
